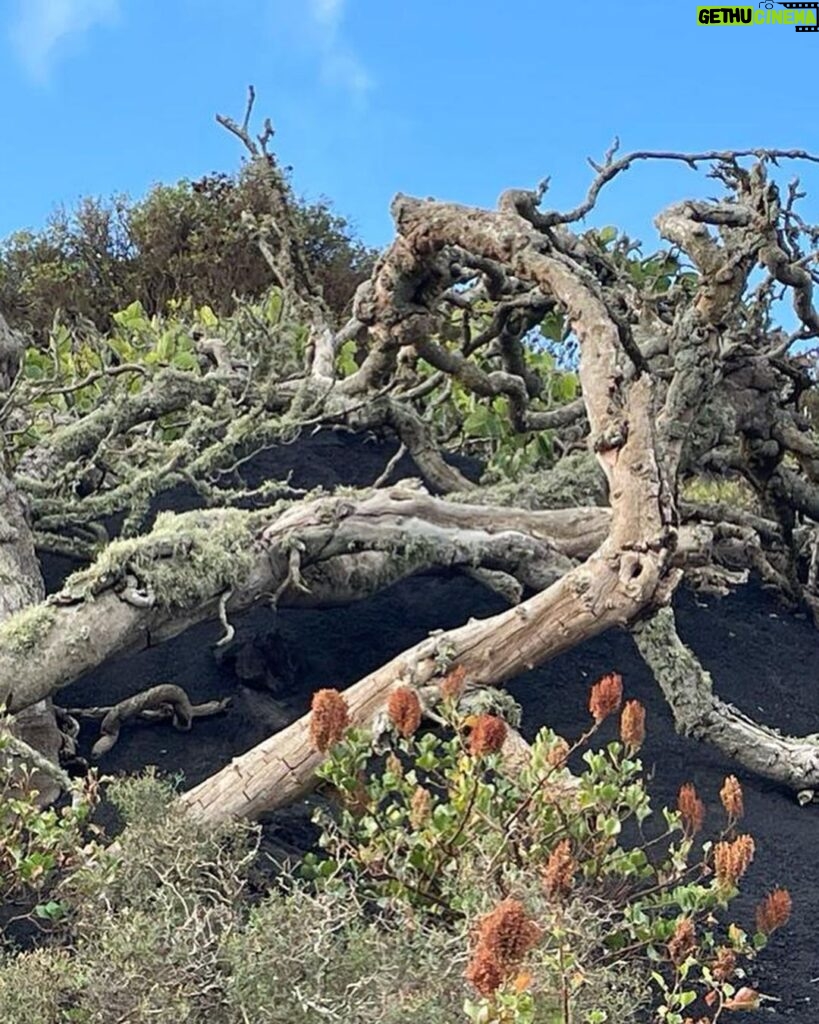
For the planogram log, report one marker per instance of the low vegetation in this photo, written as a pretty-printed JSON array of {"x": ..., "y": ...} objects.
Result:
[{"x": 459, "y": 876}]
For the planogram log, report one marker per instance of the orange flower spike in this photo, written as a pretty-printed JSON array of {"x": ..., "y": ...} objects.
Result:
[
  {"x": 404, "y": 710},
  {"x": 633, "y": 725},
  {"x": 606, "y": 696},
  {"x": 504, "y": 937},
  {"x": 508, "y": 933},
  {"x": 732, "y": 800},
  {"x": 329, "y": 719},
  {"x": 561, "y": 867},
  {"x": 732, "y": 859},
  {"x": 483, "y": 973},
  {"x": 452, "y": 685},
  {"x": 420, "y": 804},
  {"x": 724, "y": 964},
  {"x": 691, "y": 808},
  {"x": 487, "y": 736},
  {"x": 774, "y": 911},
  {"x": 683, "y": 941},
  {"x": 559, "y": 753}
]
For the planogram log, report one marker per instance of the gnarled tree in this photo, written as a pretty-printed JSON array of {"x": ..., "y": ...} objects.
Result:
[{"x": 682, "y": 374}]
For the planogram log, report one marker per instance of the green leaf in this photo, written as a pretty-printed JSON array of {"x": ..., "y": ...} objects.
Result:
[
  {"x": 132, "y": 317},
  {"x": 346, "y": 358},
  {"x": 165, "y": 346},
  {"x": 564, "y": 387},
  {"x": 553, "y": 326},
  {"x": 477, "y": 423},
  {"x": 51, "y": 911},
  {"x": 184, "y": 361},
  {"x": 207, "y": 317}
]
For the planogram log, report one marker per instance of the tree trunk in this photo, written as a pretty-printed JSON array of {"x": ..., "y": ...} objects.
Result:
[{"x": 21, "y": 585}]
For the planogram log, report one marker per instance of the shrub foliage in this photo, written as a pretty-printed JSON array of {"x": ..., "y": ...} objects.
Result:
[
  {"x": 454, "y": 881},
  {"x": 183, "y": 242}
]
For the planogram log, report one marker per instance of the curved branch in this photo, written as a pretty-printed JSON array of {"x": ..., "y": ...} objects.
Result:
[
  {"x": 611, "y": 168},
  {"x": 699, "y": 713}
]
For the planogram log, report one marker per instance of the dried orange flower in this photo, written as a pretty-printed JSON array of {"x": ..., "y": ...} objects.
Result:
[
  {"x": 504, "y": 937},
  {"x": 732, "y": 860},
  {"x": 633, "y": 725},
  {"x": 508, "y": 932},
  {"x": 724, "y": 964},
  {"x": 559, "y": 753},
  {"x": 774, "y": 911},
  {"x": 522, "y": 982},
  {"x": 393, "y": 765},
  {"x": 683, "y": 941},
  {"x": 404, "y": 710},
  {"x": 328, "y": 720},
  {"x": 420, "y": 804},
  {"x": 452, "y": 685},
  {"x": 561, "y": 867},
  {"x": 487, "y": 736},
  {"x": 691, "y": 808},
  {"x": 606, "y": 696},
  {"x": 484, "y": 973},
  {"x": 731, "y": 797}
]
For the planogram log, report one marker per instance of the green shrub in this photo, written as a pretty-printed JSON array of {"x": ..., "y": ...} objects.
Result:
[
  {"x": 460, "y": 879},
  {"x": 584, "y": 911},
  {"x": 39, "y": 844},
  {"x": 164, "y": 930},
  {"x": 183, "y": 242}
]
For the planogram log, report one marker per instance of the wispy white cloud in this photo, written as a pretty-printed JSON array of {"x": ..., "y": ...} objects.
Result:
[
  {"x": 41, "y": 27},
  {"x": 327, "y": 12},
  {"x": 339, "y": 64}
]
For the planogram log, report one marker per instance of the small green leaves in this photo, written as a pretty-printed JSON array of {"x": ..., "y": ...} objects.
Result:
[
  {"x": 53, "y": 910},
  {"x": 446, "y": 834}
]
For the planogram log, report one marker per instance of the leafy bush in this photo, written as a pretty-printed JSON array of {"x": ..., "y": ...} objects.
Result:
[
  {"x": 39, "y": 844},
  {"x": 82, "y": 370},
  {"x": 183, "y": 242},
  {"x": 582, "y": 913},
  {"x": 166, "y": 929},
  {"x": 461, "y": 878}
]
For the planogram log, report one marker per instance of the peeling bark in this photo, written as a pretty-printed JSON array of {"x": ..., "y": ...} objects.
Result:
[{"x": 332, "y": 550}]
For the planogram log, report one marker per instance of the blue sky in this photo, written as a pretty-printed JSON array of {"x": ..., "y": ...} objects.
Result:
[{"x": 453, "y": 99}]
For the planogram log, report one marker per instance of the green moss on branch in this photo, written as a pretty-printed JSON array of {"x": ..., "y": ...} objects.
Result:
[
  {"x": 24, "y": 632},
  {"x": 185, "y": 560}
]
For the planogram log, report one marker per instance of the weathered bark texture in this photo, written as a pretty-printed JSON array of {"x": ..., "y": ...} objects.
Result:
[
  {"x": 332, "y": 550},
  {"x": 21, "y": 585},
  {"x": 636, "y": 431},
  {"x": 699, "y": 713},
  {"x": 680, "y": 376}
]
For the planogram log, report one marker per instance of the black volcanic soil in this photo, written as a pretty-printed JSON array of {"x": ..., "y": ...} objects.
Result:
[{"x": 764, "y": 661}]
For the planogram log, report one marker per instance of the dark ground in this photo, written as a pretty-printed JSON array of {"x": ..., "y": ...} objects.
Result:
[{"x": 762, "y": 659}]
